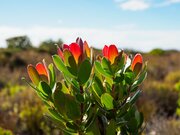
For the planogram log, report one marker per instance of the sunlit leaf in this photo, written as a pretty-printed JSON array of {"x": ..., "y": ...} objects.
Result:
[
  {"x": 33, "y": 74},
  {"x": 60, "y": 66},
  {"x": 70, "y": 62},
  {"x": 99, "y": 68},
  {"x": 106, "y": 65},
  {"x": 52, "y": 75},
  {"x": 107, "y": 101}
]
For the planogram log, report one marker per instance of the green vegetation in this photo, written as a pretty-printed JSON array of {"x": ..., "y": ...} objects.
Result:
[
  {"x": 20, "y": 107},
  {"x": 157, "y": 51},
  {"x": 50, "y": 46},
  {"x": 21, "y": 42},
  {"x": 22, "y": 112},
  {"x": 5, "y": 132}
]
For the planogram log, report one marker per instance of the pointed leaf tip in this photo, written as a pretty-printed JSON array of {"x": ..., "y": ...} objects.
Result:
[
  {"x": 87, "y": 49},
  {"x": 65, "y": 46},
  {"x": 60, "y": 53},
  {"x": 105, "y": 51}
]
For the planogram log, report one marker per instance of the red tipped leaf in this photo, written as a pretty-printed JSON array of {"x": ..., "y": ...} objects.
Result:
[
  {"x": 41, "y": 69},
  {"x": 105, "y": 51},
  {"x": 60, "y": 53},
  {"x": 112, "y": 53},
  {"x": 65, "y": 46},
  {"x": 87, "y": 49},
  {"x": 33, "y": 74},
  {"x": 137, "y": 60},
  {"x": 75, "y": 50}
]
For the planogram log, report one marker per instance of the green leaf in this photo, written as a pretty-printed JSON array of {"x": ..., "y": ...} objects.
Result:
[
  {"x": 93, "y": 129},
  {"x": 92, "y": 115},
  {"x": 106, "y": 65},
  {"x": 56, "y": 115},
  {"x": 80, "y": 98},
  {"x": 96, "y": 96},
  {"x": 97, "y": 86},
  {"x": 107, "y": 101},
  {"x": 44, "y": 88},
  {"x": 65, "y": 103},
  {"x": 123, "y": 110},
  {"x": 70, "y": 62},
  {"x": 99, "y": 68},
  {"x": 65, "y": 90},
  {"x": 134, "y": 97},
  {"x": 110, "y": 81},
  {"x": 139, "y": 117},
  {"x": 108, "y": 87},
  {"x": 132, "y": 125},
  {"x": 52, "y": 75},
  {"x": 72, "y": 82},
  {"x": 59, "y": 99},
  {"x": 119, "y": 63},
  {"x": 71, "y": 125},
  {"x": 84, "y": 71},
  {"x": 141, "y": 78},
  {"x": 62, "y": 126},
  {"x": 119, "y": 78},
  {"x": 72, "y": 107},
  {"x": 60, "y": 66},
  {"x": 111, "y": 128},
  {"x": 129, "y": 77},
  {"x": 41, "y": 95}
]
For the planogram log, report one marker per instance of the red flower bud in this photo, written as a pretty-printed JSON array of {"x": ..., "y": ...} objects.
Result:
[
  {"x": 41, "y": 69},
  {"x": 110, "y": 52},
  {"x": 38, "y": 73},
  {"x": 77, "y": 49},
  {"x": 136, "y": 60}
]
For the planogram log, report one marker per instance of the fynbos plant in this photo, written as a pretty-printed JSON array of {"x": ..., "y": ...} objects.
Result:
[{"x": 96, "y": 96}]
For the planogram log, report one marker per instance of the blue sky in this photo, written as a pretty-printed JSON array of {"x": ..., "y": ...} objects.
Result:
[{"x": 136, "y": 24}]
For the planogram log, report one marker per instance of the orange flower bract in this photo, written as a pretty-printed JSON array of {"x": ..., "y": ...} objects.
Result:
[
  {"x": 137, "y": 59},
  {"x": 110, "y": 52},
  {"x": 77, "y": 49}
]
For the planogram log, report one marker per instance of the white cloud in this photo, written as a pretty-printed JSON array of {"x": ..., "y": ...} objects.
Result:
[
  {"x": 173, "y": 1},
  {"x": 167, "y": 3},
  {"x": 134, "y": 5},
  {"x": 143, "y": 40},
  {"x": 129, "y": 26}
]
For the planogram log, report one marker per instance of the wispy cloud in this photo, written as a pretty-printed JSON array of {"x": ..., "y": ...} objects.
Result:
[
  {"x": 136, "y": 5},
  {"x": 167, "y": 3},
  {"x": 143, "y": 40}
]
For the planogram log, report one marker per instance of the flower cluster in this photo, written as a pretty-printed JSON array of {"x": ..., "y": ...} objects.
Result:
[
  {"x": 79, "y": 50},
  {"x": 95, "y": 96}
]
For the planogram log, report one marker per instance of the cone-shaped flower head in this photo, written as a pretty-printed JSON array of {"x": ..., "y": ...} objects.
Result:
[
  {"x": 79, "y": 50},
  {"x": 110, "y": 52}
]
